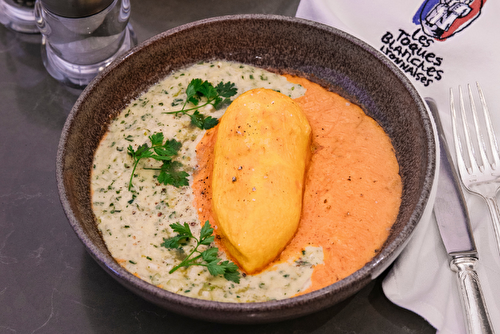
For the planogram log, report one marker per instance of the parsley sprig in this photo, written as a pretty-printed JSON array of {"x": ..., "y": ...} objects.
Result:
[
  {"x": 216, "y": 96},
  {"x": 214, "y": 265},
  {"x": 165, "y": 152}
]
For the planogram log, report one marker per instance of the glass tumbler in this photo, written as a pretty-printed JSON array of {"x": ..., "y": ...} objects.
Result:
[
  {"x": 18, "y": 15},
  {"x": 81, "y": 37}
]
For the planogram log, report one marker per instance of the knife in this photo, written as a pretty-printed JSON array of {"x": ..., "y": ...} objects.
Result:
[{"x": 453, "y": 222}]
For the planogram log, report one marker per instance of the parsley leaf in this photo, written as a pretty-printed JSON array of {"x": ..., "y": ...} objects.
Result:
[
  {"x": 215, "y": 269},
  {"x": 203, "y": 122},
  {"x": 174, "y": 242},
  {"x": 206, "y": 237},
  {"x": 209, "y": 122},
  {"x": 170, "y": 175},
  {"x": 182, "y": 229},
  {"x": 184, "y": 234},
  {"x": 216, "y": 96},
  {"x": 165, "y": 152},
  {"x": 210, "y": 254},
  {"x": 156, "y": 139},
  {"x": 214, "y": 265},
  {"x": 233, "y": 276},
  {"x": 142, "y": 151},
  {"x": 227, "y": 89}
]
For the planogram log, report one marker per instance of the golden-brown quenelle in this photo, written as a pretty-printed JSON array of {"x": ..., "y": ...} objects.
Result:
[
  {"x": 352, "y": 188},
  {"x": 261, "y": 154}
]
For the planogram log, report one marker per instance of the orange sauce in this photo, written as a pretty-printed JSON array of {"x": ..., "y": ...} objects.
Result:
[{"x": 352, "y": 191}]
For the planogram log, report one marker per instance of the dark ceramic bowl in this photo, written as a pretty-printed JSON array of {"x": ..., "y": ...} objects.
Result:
[{"x": 320, "y": 53}]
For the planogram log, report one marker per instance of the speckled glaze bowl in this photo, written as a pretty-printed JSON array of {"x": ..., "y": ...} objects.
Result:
[{"x": 320, "y": 53}]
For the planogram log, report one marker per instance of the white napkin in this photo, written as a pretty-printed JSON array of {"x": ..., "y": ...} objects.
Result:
[{"x": 468, "y": 51}]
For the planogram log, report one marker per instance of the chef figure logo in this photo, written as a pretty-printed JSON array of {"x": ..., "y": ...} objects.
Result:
[{"x": 442, "y": 19}]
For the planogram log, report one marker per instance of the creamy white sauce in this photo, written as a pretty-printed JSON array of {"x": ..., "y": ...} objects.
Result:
[{"x": 134, "y": 223}]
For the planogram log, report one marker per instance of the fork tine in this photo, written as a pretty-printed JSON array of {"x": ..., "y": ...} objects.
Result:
[
  {"x": 480, "y": 140},
  {"x": 489, "y": 128},
  {"x": 474, "y": 167},
  {"x": 458, "y": 147}
]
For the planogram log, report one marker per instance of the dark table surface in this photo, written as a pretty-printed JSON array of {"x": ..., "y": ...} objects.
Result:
[{"x": 48, "y": 283}]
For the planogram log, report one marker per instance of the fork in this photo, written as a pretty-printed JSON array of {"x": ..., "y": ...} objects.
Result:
[{"x": 482, "y": 175}]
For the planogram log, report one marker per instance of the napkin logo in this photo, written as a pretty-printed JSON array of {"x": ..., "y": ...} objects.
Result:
[
  {"x": 409, "y": 51},
  {"x": 437, "y": 20},
  {"x": 442, "y": 19}
]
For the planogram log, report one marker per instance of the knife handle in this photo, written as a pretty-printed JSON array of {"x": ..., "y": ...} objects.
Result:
[{"x": 476, "y": 314}]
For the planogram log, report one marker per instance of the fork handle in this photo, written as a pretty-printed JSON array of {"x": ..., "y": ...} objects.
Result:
[
  {"x": 495, "y": 219},
  {"x": 476, "y": 315}
]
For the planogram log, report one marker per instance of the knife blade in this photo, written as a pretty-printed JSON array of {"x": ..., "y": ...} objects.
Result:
[{"x": 452, "y": 217}]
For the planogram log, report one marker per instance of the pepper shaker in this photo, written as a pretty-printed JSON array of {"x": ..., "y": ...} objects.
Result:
[{"x": 81, "y": 37}]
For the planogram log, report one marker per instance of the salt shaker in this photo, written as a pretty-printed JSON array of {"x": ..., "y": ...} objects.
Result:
[{"x": 81, "y": 37}]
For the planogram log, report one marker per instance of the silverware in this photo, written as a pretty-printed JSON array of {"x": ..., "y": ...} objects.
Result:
[
  {"x": 483, "y": 176},
  {"x": 454, "y": 226}
]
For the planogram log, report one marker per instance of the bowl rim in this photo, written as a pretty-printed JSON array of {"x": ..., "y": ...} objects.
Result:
[{"x": 368, "y": 271}]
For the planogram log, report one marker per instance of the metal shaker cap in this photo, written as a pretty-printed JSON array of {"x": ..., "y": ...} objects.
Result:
[{"x": 75, "y": 8}]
